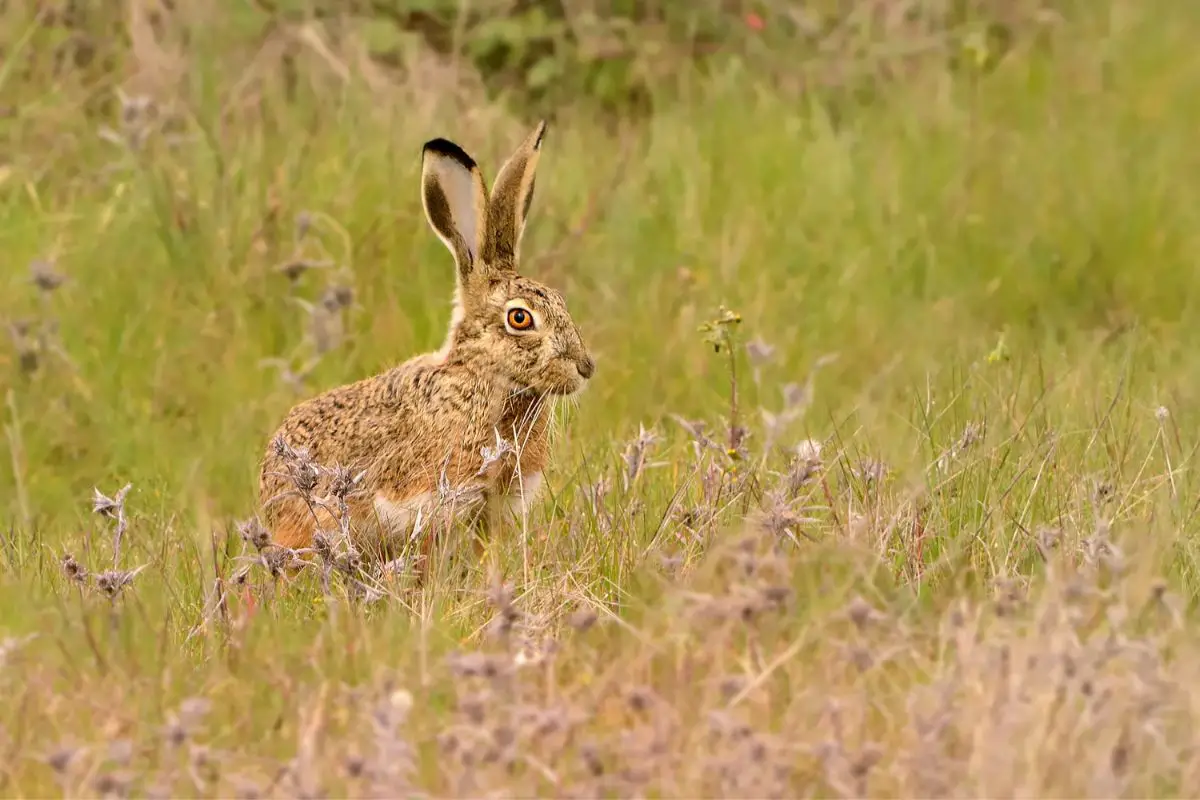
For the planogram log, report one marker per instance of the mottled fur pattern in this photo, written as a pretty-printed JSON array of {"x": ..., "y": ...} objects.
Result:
[{"x": 426, "y": 434}]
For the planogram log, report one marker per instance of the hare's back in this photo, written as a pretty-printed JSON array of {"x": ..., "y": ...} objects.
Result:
[{"x": 343, "y": 425}]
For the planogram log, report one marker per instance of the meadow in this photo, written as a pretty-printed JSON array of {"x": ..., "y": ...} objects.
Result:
[{"x": 884, "y": 485}]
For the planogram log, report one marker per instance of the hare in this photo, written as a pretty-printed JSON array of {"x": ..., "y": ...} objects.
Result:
[{"x": 464, "y": 429}]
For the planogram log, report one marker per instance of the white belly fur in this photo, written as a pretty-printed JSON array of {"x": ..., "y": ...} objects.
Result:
[
  {"x": 527, "y": 490},
  {"x": 402, "y": 519},
  {"x": 396, "y": 517}
]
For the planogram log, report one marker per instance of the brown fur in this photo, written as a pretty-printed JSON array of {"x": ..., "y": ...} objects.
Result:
[{"x": 425, "y": 424}]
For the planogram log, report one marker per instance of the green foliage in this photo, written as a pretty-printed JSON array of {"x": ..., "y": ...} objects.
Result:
[
  {"x": 543, "y": 55},
  {"x": 620, "y": 56},
  {"x": 717, "y": 332}
]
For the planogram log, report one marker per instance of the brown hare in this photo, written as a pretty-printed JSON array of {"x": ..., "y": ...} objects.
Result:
[{"x": 459, "y": 431}]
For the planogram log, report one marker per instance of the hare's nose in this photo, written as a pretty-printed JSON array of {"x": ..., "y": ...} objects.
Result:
[{"x": 586, "y": 367}]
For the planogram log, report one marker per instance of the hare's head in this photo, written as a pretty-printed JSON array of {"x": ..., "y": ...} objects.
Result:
[{"x": 518, "y": 327}]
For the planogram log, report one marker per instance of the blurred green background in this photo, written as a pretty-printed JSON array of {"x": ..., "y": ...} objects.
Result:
[{"x": 964, "y": 213}]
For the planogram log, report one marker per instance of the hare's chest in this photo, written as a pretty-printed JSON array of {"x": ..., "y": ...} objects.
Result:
[
  {"x": 512, "y": 468},
  {"x": 516, "y": 478},
  {"x": 514, "y": 464}
]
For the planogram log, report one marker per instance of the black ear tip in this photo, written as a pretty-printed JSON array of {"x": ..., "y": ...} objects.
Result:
[
  {"x": 541, "y": 134},
  {"x": 448, "y": 149}
]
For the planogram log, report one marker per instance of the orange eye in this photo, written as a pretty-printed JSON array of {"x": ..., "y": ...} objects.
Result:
[{"x": 519, "y": 319}]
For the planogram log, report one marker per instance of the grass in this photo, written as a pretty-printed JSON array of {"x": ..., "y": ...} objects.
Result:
[{"x": 963, "y": 562}]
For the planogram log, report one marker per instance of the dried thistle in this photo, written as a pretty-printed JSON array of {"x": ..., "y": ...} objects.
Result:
[
  {"x": 303, "y": 224},
  {"x": 61, "y": 758},
  {"x": 760, "y": 353},
  {"x": 113, "y": 508},
  {"x": 1100, "y": 550},
  {"x": 135, "y": 124},
  {"x": 114, "y": 581},
  {"x": 280, "y": 560},
  {"x": 1103, "y": 493},
  {"x": 634, "y": 454},
  {"x": 294, "y": 269},
  {"x": 12, "y": 644},
  {"x": 337, "y": 296},
  {"x": 114, "y": 784},
  {"x": 796, "y": 400},
  {"x": 343, "y": 483},
  {"x": 695, "y": 429},
  {"x": 804, "y": 466},
  {"x": 779, "y": 519},
  {"x": 861, "y": 613},
  {"x": 582, "y": 619},
  {"x": 326, "y": 322},
  {"x": 871, "y": 471},
  {"x": 972, "y": 434},
  {"x": 301, "y": 470},
  {"x": 500, "y": 598},
  {"x": 292, "y": 378},
  {"x": 640, "y": 698},
  {"x": 75, "y": 572},
  {"x": 253, "y": 533},
  {"x": 44, "y": 276},
  {"x": 27, "y": 343},
  {"x": 477, "y": 665},
  {"x": 182, "y": 723},
  {"x": 1047, "y": 539},
  {"x": 493, "y": 454}
]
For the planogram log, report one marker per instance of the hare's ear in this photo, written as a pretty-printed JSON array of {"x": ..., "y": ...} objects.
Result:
[
  {"x": 508, "y": 206},
  {"x": 455, "y": 201}
]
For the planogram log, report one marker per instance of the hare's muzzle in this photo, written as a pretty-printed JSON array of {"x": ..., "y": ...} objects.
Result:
[{"x": 586, "y": 367}]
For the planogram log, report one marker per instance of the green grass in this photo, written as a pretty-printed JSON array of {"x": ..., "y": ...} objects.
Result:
[{"x": 1018, "y": 253}]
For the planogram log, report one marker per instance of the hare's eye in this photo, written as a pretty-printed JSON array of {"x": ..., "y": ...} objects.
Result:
[{"x": 519, "y": 319}]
